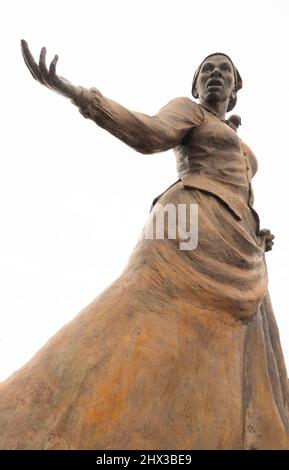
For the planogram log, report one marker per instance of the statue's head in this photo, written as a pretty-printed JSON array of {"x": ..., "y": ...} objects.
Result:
[{"x": 217, "y": 79}]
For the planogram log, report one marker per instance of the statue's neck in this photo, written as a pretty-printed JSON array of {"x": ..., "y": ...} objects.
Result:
[{"x": 218, "y": 108}]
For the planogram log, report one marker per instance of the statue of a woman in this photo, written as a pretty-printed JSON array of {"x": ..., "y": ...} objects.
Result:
[{"x": 182, "y": 351}]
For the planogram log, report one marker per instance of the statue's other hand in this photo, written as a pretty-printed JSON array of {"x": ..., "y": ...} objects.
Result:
[
  {"x": 268, "y": 238},
  {"x": 48, "y": 78}
]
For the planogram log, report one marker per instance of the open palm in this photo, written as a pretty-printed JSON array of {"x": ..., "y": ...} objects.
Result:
[{"x": 48, "y": 77}]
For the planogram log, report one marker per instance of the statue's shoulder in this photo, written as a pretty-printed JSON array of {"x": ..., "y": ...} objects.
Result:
[
  {"x": 185, "y": 102},
  {"x": 187, "y": 108}
]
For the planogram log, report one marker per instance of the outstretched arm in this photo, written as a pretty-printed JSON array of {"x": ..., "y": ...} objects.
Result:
[{"x": 146, "y": 134}]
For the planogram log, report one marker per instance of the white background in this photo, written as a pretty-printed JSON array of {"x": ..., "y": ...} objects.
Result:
[{"x": 73, "y": 198}]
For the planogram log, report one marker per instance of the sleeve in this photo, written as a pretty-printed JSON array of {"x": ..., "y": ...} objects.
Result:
[{"x": 144, "y": 133}]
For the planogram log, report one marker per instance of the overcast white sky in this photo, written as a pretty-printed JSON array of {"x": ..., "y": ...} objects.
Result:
[{"x": 73, "y": 198}]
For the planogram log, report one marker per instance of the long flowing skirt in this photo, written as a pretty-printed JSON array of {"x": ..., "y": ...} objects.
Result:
[{"x": 181, "y": 352}]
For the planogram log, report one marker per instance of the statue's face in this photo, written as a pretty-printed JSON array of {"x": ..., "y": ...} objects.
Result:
[{"x": 216, "y": 79}]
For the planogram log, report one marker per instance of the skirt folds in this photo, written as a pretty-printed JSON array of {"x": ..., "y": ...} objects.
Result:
[{"x": 180, "y": 352}]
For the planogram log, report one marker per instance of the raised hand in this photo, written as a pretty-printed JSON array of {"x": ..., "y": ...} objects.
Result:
[
  {"x": 48, "y": 78},
  {"x": 268, "y": 238}
]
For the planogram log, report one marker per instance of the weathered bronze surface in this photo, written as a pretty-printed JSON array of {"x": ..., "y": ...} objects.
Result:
[{"x": 182, "y": 351}]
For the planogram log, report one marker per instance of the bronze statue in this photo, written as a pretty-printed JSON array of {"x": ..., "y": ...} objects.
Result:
[{"x": 182, "y": 351}]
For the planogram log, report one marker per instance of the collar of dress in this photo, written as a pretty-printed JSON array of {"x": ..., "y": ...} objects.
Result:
[{"x": 212, "y": 112}]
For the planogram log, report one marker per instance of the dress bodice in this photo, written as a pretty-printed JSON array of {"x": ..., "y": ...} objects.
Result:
[{"x": 213, "y": 157}]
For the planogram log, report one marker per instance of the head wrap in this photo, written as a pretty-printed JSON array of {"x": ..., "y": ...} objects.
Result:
[{"x": 238, "y": 81}]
